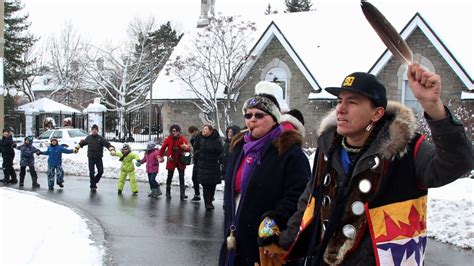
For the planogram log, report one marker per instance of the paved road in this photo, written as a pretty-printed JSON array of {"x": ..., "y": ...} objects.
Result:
[{"x": 138, "y": 230}]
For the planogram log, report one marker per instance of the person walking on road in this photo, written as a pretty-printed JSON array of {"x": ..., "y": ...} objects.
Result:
[
  {"x": 175, "y": 145},
  {"x": 195, "y": 141},
  {"x": 27, "y": 159},
  {"x": 367, "y": 201},
  {"x": 267, "y": 172},
  {"x": 7, "y": 146},
  {"x": 55, "y": 153},
  {"x": 209, "y": 174},
  {"x": 127, "y": 157},
  {"x": 95, "y": 152},
  {"x": 152, "y": 167}
]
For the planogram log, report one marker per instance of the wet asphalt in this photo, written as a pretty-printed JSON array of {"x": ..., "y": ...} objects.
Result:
[{"x": 138, "y": 230}]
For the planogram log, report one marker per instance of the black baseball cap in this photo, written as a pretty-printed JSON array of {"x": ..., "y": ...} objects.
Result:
[{"x": 363, "y": 83}]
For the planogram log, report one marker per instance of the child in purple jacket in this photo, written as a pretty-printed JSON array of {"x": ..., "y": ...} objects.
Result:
[{"x": 151, "y": 158}]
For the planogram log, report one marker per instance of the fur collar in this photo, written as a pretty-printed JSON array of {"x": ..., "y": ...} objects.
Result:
[
  {"x": 295, "y": 122},
  {"x": 283, "y": 142},
  {"x": 401, "y": 130}
]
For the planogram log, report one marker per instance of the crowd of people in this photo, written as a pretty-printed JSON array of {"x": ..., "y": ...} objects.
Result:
[{"x": 371, "y": 168}]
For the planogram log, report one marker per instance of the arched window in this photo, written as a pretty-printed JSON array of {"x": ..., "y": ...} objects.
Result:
[{"x": 279, "y": 76}]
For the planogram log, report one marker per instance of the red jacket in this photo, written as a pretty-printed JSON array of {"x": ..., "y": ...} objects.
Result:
[{"x": 174, "y": 151}]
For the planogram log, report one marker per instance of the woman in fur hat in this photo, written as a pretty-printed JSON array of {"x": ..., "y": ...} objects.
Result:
[
  {"x": 366, "y": 204},
  {"x": 267, "y": 172}
]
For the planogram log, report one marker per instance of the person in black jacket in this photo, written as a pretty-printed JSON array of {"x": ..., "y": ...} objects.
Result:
[
  {"x": 95, "y": 153},
  {"x": 7, "y": 145},
  {"x": 230, "y": 132},
  {"x": 210, "y": 149},
  {"x": 195, "y": 141}
]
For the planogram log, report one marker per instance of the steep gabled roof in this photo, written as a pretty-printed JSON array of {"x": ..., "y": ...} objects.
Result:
[
  {"x": 271, "y": 32},
  {"x": 419, "y": 22}
]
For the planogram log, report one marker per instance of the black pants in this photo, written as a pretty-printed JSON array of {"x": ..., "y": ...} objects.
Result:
[
  {"x": 8, "y": 170},
  {"x": 34, "y": 176},
  {"x": 208, "y": 191},
  {"x": 195, "y": 181},
  {"x": 94, "y": 179},
  {"x": 181, "y": 181}
]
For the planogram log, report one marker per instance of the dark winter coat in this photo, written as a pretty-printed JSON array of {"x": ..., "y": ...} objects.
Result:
[
  {"x": 225, "y": 150},
  {"x": 56, "y": 154},
  {"x": 401, "y": 166},
  {"x": 174, "y": 151},
  {"x": 96, "y": 146},
  {"x": 27, "y": 155},
  {"x": 7, "y": 146},
  {"x": 210, "y": 149},
  {"x": 196, "y": 142},
  {"x": 273, "y": 188}
]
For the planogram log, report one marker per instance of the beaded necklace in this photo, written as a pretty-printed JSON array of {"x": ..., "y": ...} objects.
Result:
[{"x": 348, "y": 148}]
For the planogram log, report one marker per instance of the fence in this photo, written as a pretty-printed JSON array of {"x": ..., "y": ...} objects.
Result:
[{"x": 136, "y": 126}]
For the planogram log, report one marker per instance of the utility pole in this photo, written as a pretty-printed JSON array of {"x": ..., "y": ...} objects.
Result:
[
  {"x": 150, "y": 110},
  {"x": 2, "y": 86}
]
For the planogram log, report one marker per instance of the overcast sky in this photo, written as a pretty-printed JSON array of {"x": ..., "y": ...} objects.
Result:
[{"x": 107, "y": 20}]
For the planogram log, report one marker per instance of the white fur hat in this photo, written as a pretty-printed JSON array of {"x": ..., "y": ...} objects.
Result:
[{"x": 273, "y": 89}]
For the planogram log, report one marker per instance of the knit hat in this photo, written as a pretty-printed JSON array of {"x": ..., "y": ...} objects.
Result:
[
  {"x": 268, "y": 98},
  {"x": 365, "y": 84},
  {"x": 150, "y": 146},
  {"x": 51, "y": 141},
  {"x": 272, "y": 88},
  {"x": 94, "y": 126},
  {"x": 30, "y": 138}
]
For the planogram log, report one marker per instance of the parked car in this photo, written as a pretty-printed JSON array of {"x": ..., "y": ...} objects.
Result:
[{"x": 65, "y": 136}]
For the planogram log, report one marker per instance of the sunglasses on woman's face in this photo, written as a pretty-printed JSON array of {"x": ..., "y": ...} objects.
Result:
[{"x": 257, "y": 115}]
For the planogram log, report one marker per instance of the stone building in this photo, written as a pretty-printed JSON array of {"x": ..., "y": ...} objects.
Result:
[{"x": 304, "y": 61}]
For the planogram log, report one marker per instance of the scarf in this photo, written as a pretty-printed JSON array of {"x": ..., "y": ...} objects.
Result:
[{"x": 253, "y": 150}]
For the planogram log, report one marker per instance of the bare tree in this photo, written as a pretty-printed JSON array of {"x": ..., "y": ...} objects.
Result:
[
  {"x": 66, "y": 55},
  {"x": 213, "y": 65},
  {"x": 122, "y": 79}
]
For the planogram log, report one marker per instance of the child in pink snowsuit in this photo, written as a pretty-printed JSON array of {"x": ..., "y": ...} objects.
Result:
[{"x": 151, "y": 158}]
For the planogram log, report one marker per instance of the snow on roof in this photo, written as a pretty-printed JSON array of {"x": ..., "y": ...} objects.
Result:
[
  {"x": 44, "y": 82},
  {"x": 336, "y": 39},
  {"x": 45, "y": 105},
  {"x": 467, "y": 95}
]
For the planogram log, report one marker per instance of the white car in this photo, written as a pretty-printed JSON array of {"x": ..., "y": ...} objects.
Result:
[{"x": 68, "y": 136}]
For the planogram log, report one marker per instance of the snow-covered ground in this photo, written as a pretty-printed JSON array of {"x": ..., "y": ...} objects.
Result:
[
  {"x": 450, "y": 212},
  {"x": 40, "y": 232}
]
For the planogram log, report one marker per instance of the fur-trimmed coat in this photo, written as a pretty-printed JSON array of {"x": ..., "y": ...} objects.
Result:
[
  {"x": 273, "y": 188},
  {"x": 400, "y": 166}
]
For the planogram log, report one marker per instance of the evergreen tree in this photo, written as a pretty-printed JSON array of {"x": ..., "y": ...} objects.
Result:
[
  {"x": 18, "y": 41},
  {"x": 297, "y": 5},
  {"x": 269, "y": 10},
  {"x": 157, "y": 45}
]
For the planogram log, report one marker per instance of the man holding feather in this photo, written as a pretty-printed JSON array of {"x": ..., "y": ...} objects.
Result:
[{"x": 366, "y": 204}]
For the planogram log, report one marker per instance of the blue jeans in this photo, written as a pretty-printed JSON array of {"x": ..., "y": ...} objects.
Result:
[
  {"x": 94, "y": 179},
  {"x": 58, "y": 170},
  {"x": 152, "y": 180}
]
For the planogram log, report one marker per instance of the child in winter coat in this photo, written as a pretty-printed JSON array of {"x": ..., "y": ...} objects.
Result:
[
  {"x": 152, "y": 164},
  {"x": 55, "y": 153},
  {"x": 127, "y": 156},
  {"x": 27, "y": 159}
]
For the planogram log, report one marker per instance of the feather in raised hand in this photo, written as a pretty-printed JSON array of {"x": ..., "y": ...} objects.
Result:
[{"x": 390, "y": 37}]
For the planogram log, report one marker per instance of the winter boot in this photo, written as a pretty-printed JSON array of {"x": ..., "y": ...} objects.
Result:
[
  {"x": 119, "y": 192},
  {"x": 35, "y": 181},
  {"x": 158, "y": 192},
  {"x": 135, "y": 193},
  {"x": 36, "y": 185},
  {"x": 51, "y": 188},
  {"x": 168, "y": 192},
  {"x": 13, "y": 181},
  {"x": 196, "y": 198}
]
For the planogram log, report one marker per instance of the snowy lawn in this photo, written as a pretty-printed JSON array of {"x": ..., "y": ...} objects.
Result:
[
  {"x": 450, "y": 208},
  {"x": 37, "y": 231}
]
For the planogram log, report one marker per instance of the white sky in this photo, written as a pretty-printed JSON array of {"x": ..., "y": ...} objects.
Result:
[{"x": 107, "y": 20}]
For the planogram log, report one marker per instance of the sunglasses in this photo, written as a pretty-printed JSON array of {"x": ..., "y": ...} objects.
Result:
[
  {"x": 257, "y": 115},
  {"x": 174, "y": 130}
]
